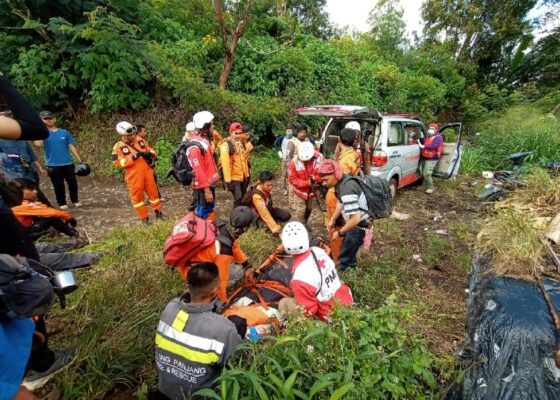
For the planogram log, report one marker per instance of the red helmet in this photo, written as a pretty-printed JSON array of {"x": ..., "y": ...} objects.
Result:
[
  {"x": 434, "y": 126},
  {"x": 235, "y": 126}
]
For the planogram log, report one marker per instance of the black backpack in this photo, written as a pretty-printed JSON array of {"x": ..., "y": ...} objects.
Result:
[
  {"x": 181, "y": 169},
  {"x": 23, "y": 291},
  {"x": 377, "y": 192}
]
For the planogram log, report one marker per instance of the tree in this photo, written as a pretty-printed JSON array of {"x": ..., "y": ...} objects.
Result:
[
  {"x": 231, "y": 36},
  {"x": 484, "y": 32},
  {"x": 388, "y": 29}
]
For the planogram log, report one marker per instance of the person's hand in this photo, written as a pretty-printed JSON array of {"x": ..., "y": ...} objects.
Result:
[
  {"x": 208, "y": 196},
  {"x": 336, "y": 235},
  {"x": 42, "y": 171},
  {"x": 249, "y": 273},
  {"x": 330, "y": 225},
  {"x": 421, "y": 145},
  {"x": 230, "y": 186},
  {"x": 281, "y": 155}
]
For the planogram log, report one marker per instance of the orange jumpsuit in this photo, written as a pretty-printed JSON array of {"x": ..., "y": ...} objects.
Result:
[
  {"x": 213, "y": 254},
  {"x": 28, "y": 210},
  {"x": 138, "y": 175}
]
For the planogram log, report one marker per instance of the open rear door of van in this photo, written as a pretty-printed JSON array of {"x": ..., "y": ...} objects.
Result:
[
  {"x": 341, "y": 111},
  {"x": 448, "y": 165}
]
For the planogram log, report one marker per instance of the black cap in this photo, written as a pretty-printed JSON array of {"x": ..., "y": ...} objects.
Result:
[
  {"x": 46, "y": 114},
  {"x": 242, "y": 217}
]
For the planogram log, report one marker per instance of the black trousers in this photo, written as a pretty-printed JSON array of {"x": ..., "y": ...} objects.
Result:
[
  {"x": 60, "y": 174},
  {"x": 237, "y": 191},
  {"x": 40, "y": 226}
]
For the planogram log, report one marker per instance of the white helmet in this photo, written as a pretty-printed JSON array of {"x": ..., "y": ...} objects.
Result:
[
  {"x": 202, "y": 118},
  {"x": 125, "y": 128},
  {"x": 190, "y": 127},
  {"x": 295, "y": 238},
  {"x": 355, "y": 125},
  {"x": 306, "y": 151}
]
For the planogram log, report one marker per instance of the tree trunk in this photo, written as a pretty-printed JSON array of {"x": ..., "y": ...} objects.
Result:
[{"x": 228, "y": 61}]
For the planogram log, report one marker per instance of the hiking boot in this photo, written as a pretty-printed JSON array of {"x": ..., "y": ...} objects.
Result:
[
  {"x": 160, "y": 215},
  {"x": 64, "y": 207},
  {"x": 81, "y": 239},
  {"x": 62, "y": 359},
  {"x": 429, "y": 191},
  {"x": 78, "y": 204},
  {"x": 145, "y": 221}
]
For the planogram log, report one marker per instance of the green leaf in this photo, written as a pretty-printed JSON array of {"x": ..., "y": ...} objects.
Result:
[
  {"x": 341, "y": 391},
  {"x": 318, "y": 386}
]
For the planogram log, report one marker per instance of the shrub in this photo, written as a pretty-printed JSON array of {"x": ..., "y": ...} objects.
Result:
[{"x": 362, "y": 354}]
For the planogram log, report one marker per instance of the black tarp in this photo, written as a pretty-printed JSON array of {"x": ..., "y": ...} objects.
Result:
[{"x": 510, "y": 338}]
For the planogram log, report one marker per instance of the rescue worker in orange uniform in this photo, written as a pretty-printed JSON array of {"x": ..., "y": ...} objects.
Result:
[
  {"x": 234, "y": 160},
  {"x": 259, "y": 199},
  {"x": 349, "y": 161},
  {"x": 134, "y": 155},
  {"x": 226, "y": 249}
]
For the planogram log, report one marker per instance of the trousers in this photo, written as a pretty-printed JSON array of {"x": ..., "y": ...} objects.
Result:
[{"x": 58, "y": 175}]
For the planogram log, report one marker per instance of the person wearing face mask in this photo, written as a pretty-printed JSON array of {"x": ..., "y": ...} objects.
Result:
[
  {"x": 281, "y": 146},
  {"x": 430, "y": 150},
  {"x": 300, "y": 136},
  {"x": 234, "y": 160}
]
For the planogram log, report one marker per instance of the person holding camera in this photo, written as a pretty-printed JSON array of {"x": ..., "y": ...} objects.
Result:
[{"x": 135, "y": 156}]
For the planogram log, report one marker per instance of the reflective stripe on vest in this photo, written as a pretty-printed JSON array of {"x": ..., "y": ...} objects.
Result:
[
  {"x": 431, "y": 153},
  {"x": 190, "y": 347}
]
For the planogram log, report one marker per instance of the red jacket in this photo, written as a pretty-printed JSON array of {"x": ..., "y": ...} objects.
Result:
[
  {"x": 301, "y": 173},
  {"x": 316, "y": 285},
  {"x": 202, "y": 163},
  {"x": 433, "y": 145}
]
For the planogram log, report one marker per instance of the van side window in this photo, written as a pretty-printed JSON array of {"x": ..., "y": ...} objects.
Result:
[
  {"x": 395, "y": 136},
  {"x": 412, "y": 132}
]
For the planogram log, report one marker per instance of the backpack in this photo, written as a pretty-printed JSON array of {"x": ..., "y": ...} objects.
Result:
[
  {"x": 190, "y": 234},
  {"x": 377, "y": 192},
  {"x": 181, "y": 169},
  {"x": 24, "y": 292},
  {"x": 278, "y": 143}
]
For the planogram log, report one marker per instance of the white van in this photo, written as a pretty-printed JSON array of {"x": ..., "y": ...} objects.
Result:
[{"x": 395, "y": 154}]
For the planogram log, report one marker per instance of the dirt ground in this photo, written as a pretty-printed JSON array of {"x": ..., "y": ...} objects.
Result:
[{"x": 431, "y": 247}]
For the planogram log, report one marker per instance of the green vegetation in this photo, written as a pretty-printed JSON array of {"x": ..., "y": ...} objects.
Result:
[
  {"x": 363, "y": 354},
  {"x": 520, "y": 128}
]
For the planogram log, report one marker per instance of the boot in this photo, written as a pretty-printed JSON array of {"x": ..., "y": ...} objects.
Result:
[
  {"x": 145, "y": 221},
  {"x": 160, "y": 215}
]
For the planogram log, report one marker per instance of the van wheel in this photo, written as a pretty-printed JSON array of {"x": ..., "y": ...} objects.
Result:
[{"x": 393, "y": 184}]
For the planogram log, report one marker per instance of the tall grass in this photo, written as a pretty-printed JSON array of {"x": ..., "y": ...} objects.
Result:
[{"x": 521, "y": 128}]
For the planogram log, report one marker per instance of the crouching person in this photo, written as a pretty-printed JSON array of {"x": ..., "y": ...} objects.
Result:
[
  {"x": 193, "y": 341},
  {"x": 315, "y": 282},
  {"x": 259, "y": 198}
]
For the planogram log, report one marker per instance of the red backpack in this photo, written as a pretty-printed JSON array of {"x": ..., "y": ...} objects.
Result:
[{"x": 190, "y": 235}]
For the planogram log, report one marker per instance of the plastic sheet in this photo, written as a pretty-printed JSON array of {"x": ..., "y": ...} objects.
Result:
[{"x": 510, "y": 338}]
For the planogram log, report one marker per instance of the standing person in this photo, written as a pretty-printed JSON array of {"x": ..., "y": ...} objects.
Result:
[
  {"x": 59, "y": 148},
  {"x": 189, "y": 131},
  {"x": 303, "y": 178},
  {"x": 349, "y": 162},
  {"x": 294, "y": 143},
  {"x": 235, "y": 166},
  {"x": 22, "y": 162},
  {"x": 281, "y": 146},
  {"x": 315, "y": 282},
  {"x": 193, "y": 341},
  {"x": 201, "y": 160},
  {"x": 430, "y": 150},
  {"x": 248, "y": 147},
  {"x": 259, "y": 198},
  {"x": 135, "y": 156},
  {"x": 142, "y": 132},
  {"x": 352, "y": 202},
  {"x": 362, "y": 148}
]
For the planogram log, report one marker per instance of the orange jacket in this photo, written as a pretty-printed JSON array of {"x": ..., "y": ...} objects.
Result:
[
  {"x": 261, "y": 203},
  {"x": 213, "y": 254},
  {"x": 122, "y": 156},
  {"x": 349, "y": 160},
  {"x": 235, "y": 167},
  {"x": 28, "y": 210}
]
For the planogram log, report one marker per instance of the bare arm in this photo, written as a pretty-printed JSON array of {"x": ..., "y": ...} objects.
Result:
[
  {"x": 38, "y": 143},
  {"x": 74, "y": 151},
  {"x": 39, "y": 167},
  {"x": 9, "y": 128}
]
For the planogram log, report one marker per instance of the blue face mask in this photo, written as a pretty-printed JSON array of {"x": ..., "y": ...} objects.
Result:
[
  {"x": 289, "y": 134},
  {"x": 431, "y": 132}
]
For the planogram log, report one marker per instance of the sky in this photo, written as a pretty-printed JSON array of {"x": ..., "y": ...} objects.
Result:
[{"x": 354, "y": 14}]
